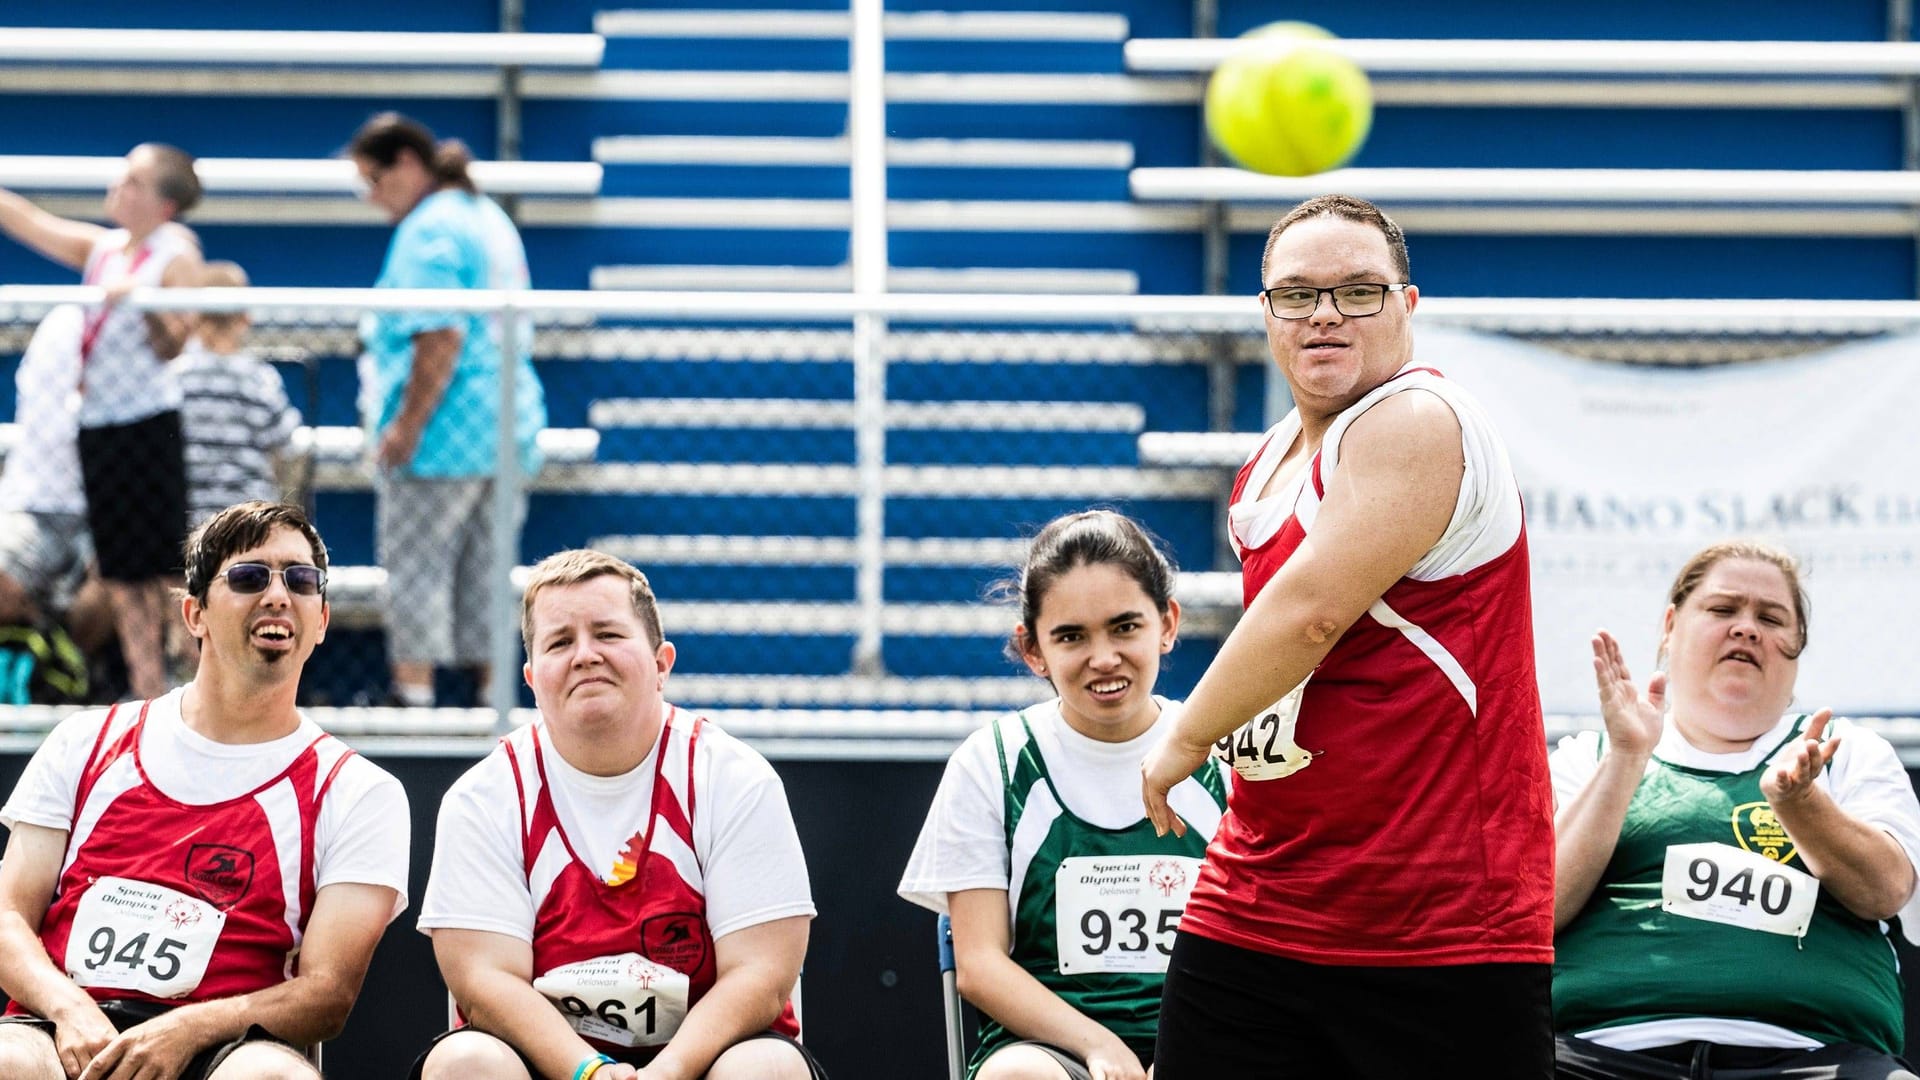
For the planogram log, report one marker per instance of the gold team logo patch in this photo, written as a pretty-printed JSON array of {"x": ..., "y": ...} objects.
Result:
[{"x": 1758, "y": 830}]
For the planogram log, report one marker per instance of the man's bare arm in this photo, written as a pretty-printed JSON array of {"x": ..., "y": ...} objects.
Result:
[
  {"x": 311, "y": 1007},
  {"x": 28, "y": 876},
  {"x": 756, "y": 970},
  {"x": 1384, "y": 508}
]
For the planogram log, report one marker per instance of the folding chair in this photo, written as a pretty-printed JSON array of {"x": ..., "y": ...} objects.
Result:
[{"x": 950, "y": 990}]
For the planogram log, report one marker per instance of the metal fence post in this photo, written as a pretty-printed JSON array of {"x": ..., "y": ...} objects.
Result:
[
  {"x": 503, "y": 630},
  {"x": 867, "y": 126}
]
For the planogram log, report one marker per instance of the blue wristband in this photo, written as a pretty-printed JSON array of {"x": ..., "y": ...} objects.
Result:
[{"x": 590, "y": 1066}]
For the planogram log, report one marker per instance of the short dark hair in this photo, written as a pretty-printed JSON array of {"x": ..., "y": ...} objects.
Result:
[
  {"x": 1087, "y": 538},
  {"x": 176, "y": 181},
  {"x": 383, "y": 136},
  {"x": 1347, "y": 208},
  {"x": 237, "y": 528}
]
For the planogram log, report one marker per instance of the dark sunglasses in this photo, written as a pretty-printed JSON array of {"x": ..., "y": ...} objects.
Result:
[{"x": 253, "y": 577}]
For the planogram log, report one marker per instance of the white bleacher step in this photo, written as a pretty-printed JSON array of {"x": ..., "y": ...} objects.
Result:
[
  {"x": 289, "y": 176},
  {"x": 1214, "y": 449},
  {"x": 1212, "y": 602},
  {"x": 832, "y": 25},
  {"x": 927, "y": 279},
  {"x": 858, "y": 691},
  {"x": 834, "y": 87},
  {"x": 786, "y": 413},
  {"x": 1077, "y": 483},
  {"x": 645, "y": 551},
  {"x": 346, "y": 446},
  {"x": 838, "y": 151},
  {"x": 1866, "y": 188},
  {"x": 903, "y": 215},
  {"x": 711, "y": 345},
  {"x": 300, "y": 47}
]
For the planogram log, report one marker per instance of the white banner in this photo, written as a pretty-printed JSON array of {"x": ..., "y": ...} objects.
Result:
[{"x": 1629, "y": 470}]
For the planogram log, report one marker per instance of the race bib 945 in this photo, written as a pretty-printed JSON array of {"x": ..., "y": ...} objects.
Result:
[
  {"x": 1721, "y": 883},
  {"x": 132, "y": 935},
  {"x": 1119, "y": 912}
]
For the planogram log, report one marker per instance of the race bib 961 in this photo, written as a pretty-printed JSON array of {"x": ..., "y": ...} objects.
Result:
[
  {"x": 625, "y": 1000},
  {"x": 132, "y": 935},
  {"x": 1723, "y": 884},
  {"x": 1119, "y": 912}
]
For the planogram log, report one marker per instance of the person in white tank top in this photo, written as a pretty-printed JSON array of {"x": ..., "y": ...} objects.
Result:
[{"x": 129, "y": 410}]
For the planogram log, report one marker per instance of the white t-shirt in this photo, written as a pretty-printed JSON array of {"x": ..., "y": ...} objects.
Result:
[
  {"x": 362, "y": 833},
  {"x": 963, "y": 844},
  {"x": 43, "y": 468},
  {"x": 743, "y": 836},
  {"x": 1865, "y": 778}
]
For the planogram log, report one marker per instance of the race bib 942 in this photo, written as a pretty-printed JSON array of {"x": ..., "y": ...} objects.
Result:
[
  {"x": 1263, "y": 748},
  {"x": 1120, "y": 912},
  {"x": 132, "y": 935},
  {"x": 1723, "y": 884}
]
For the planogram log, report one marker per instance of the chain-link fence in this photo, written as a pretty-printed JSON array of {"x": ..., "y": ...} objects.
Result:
[
  {"x": 710, "y": 439},
  {"x": 721, "y": 459}
]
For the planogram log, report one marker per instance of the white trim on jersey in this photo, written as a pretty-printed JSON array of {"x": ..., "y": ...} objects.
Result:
[
  {"x": 547, "y": 865},
  {"x": 1436, "y": 652},
  {"x": 120, "y": 778},
  {"x": 282, "y": 809},
  {"x": 1036, "y": 820},
  {"x": 666, "y": 842}
]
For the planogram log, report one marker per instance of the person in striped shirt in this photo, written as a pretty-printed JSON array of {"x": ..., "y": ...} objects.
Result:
[{"x": 237, "y": 420}]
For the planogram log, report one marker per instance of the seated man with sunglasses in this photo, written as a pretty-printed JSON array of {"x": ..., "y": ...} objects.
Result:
[{"x": 194, "y": 884}]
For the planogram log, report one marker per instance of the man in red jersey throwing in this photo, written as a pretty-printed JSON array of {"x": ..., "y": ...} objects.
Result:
[
  {"x": 194, "y": 885},
  {"x": 1379, "y": 896},
  {"x": 618, "y": 890}
]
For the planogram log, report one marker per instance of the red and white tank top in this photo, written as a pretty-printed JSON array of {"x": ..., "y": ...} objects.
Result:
[
  {"x": 124, "y": 379},
  {"x": 624, "y": 962},
  {"x": 1395, "y": 809},
  {"x": 168, "y": 901}
]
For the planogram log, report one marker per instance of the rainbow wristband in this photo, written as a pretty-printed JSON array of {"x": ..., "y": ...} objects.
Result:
[{"x": 590, "y": 1066}]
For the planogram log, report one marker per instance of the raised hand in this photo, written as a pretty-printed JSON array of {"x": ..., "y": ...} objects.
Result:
[
  {"x": 1791, "y": 773},
  {"x": 1633, "y": 718}
]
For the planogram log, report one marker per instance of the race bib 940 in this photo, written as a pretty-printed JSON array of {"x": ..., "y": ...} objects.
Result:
[
  {"x": 1119, "y": 912},
  {"x": 1723, "y": 884},
  {"x": 1263, "y": 748},
  {"x": 132, "y": 935},
  {"x": 625, "y": 1000}
]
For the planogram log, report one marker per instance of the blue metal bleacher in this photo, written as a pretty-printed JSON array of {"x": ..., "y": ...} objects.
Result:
[{"x": 1014, "y": 130}]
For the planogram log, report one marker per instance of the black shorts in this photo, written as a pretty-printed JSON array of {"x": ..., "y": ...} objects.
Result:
[
  {"x": 1577, "y": 1059},
  {"x": 136, "y": 482},
  {"x": 1229, "y": 1011},
  {"x": 126, "y": 1014},
  {"x": 813, "y": 1066}
]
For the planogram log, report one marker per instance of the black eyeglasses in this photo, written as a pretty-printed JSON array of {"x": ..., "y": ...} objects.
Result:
[
  {"x": 1356, "y": 300},
  {"x": 251, "y": 577}
]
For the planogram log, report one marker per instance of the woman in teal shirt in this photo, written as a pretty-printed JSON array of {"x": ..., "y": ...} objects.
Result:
[{"x": 430, "y": 399}]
